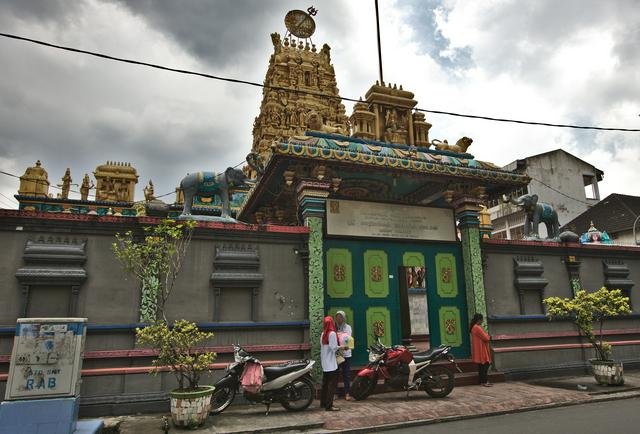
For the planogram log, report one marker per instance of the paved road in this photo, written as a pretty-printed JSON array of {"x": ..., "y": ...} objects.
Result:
[{"x": 615, "y": 417}]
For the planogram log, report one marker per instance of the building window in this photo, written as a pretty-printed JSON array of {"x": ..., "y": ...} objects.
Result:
[{"x": 590, "y": 187}]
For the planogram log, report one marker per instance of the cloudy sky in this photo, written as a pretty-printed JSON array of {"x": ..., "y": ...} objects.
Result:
[{"x": 570, "y": 61}]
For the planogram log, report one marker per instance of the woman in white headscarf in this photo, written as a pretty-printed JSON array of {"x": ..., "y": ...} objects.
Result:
[{"x": 344, "y": 333}]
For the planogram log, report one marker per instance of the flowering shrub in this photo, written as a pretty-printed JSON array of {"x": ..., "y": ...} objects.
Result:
[
  {"x": 175, "y": 346},
  {"x": 585, "y": 308}
]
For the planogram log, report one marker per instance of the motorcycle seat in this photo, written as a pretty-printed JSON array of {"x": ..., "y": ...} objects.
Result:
[
  {"x": 272, "y": 372},
  {"x": 427, "y": 355}
]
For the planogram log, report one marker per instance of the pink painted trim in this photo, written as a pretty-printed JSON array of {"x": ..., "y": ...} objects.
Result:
[
  {"x": 556, "y": 347},
  {"x": 146, "y": 369},
  {"x": 151, "y": 221},
  {"x": 560, "y": 245},
  {"x": 546, "y": 335},
  {"x": 113, "y": 354}
]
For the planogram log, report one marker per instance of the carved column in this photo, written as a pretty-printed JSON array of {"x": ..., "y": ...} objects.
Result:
[
  {"x": 311, "y": 202},
  {"x": 24, "y": 292},
  {"x": 466, "y": 201}
]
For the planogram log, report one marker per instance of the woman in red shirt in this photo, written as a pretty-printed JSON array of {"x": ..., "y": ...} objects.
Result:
[{"x": 480, "y": 351}]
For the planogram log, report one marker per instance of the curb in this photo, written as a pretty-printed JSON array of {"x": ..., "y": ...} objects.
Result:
[
  {"x": 301, "y": 428},
  {"x": 413, "y": 423}
]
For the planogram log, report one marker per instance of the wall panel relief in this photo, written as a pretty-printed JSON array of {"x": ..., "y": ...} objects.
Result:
[
  {"x": 339, "y": 273},
  {"x": 376, "y": 270}
]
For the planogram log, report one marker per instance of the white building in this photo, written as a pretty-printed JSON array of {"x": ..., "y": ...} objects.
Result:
[{"x": 563, "y": 180}]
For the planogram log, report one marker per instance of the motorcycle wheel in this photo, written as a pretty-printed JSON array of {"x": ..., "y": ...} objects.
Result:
[
  {"x": 221, "y": 399},
  {"x": 438, "y": 381},
  {"x": 362, "y": 387},
  {"x": 299, "y": 394}
]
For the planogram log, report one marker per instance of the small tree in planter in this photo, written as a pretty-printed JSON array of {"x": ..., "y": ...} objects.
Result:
[
  {"x": 155, "y": 260},
  {"x": 585, "y": 309}
]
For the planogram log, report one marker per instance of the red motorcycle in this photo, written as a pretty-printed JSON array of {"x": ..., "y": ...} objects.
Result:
[{"x": 402, "y": 370}]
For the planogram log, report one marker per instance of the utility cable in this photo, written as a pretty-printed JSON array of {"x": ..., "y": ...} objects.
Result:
[{"x": 305, "y": 92}]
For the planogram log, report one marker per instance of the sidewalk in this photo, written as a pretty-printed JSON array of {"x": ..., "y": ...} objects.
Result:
[{"x": 392, "y": 408}]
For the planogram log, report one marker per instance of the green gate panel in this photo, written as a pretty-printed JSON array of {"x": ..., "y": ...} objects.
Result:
[
  {"x": 450, "y": 326},
  {"x": 379, "y": 316},
  {"x": 413, "y": 259},
  {"x": 446, "y": 275},
  {"x": 347, "y": 310},
  {"x": 339, "y": 273},
  {"x": 376, "y": 274}
]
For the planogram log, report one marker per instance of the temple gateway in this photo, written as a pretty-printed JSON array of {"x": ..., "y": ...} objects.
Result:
[{"x": 362, "y": 213}]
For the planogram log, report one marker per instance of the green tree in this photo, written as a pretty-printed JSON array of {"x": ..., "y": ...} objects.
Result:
[
  {"x": 155, "y": 259},
  {"x": 587, "y": 308}
]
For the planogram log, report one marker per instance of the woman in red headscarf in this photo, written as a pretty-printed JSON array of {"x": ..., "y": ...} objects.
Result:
[{"x": 328, "y": 348}]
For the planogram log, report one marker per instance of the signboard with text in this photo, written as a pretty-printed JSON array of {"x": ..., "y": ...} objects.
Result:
[
  {"x": 379, "y": 220},
  {"x": 46, "y": 358}
]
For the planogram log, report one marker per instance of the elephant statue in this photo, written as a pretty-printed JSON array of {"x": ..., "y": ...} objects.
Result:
[
  {"x": 209, "y": 184},
  {"x": 536, "y": 212}
]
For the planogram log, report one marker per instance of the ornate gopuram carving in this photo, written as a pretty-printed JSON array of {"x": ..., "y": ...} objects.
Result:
[{"x": 296, "y": 65}]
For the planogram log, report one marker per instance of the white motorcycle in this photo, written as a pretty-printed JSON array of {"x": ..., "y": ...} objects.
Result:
[{"x": 289, "y": 384}]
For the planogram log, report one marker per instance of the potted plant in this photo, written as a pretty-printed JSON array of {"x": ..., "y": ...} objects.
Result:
[
  {"x": 585, "y": 309},
  {"x": 155, "y": 258},
  {"x": 190, "y": 402}
]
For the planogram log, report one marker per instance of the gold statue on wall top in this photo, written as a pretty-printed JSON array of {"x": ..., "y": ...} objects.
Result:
[
  {"x": 86, "y": 186},
  {"x": 460, "y": 147},
  {"x": 34, "y": 182},
  {"x": 148, "y": 192},
  {"x": 66, "y": 185},
  {"x": 115, "y": 182}
]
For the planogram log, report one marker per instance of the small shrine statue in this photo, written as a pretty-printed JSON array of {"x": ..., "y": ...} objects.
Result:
[
  {"x": 108, "y": 190},
  {"x": 148, "y": 192},
  {"x": 594, "y": 236},
  {"x": 87, "y": 185},
  {"x": 66, "y": 185}
]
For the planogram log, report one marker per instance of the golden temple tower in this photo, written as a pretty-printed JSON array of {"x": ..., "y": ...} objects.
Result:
[
  {"x": 296, "y": 64},
  {"x": 34, "y": 182},
  {"x": 116, "y": 182},
  {"x": 387, "y": 115}
]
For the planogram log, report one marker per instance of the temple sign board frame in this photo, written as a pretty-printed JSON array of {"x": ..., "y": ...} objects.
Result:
[{"x": 46, "y": 359}]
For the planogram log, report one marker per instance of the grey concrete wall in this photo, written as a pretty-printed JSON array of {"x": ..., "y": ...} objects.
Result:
[
  {"x": 110, "y": 297},
  {"x": 505, "y": 318}
]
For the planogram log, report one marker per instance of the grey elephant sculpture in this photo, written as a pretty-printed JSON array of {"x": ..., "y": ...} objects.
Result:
[
  {"x": 210, "y": 184},
  {"x": 535, "y": 213}
]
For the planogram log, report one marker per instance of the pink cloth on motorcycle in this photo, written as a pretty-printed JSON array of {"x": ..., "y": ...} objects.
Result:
[
  {"x": 251, "y": 379},
  {"x": 480, "y": 351}
]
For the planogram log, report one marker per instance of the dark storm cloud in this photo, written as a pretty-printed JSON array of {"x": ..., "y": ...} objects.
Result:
[
  {"x": 224, "y": 32},
  {"x": 42, "y": 10}
]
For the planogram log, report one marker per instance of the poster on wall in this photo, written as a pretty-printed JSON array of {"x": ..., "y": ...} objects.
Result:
[{"x": 378, "y": 220}]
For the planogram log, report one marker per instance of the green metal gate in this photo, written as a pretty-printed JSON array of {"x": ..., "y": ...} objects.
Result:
[{"x": 362, "y": 279}]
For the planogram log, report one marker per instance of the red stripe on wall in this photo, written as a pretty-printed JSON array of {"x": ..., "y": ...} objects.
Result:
[
  {"x": 114, "y": 354},
  {"x": 153, "y": 220},
  {"x": 556, "y": 347},
  {"x": 146, "y": 369},
  {"x": 543, "y": 335}
]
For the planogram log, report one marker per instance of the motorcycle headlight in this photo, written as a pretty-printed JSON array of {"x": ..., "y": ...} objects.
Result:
[{"x": 373, "y": 357}]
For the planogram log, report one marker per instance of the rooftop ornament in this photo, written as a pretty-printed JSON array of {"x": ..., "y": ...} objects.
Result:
[{"x": 594, "y": 236}]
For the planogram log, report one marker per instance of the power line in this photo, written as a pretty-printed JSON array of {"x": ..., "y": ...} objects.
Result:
[
  {"x": 9, "y": 198},
  {"x": 305, "y": 92},
  {"x": 560, "y": 192}
]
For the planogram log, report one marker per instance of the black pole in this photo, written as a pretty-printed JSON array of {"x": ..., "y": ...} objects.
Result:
[{"x": 379, "y": 47}]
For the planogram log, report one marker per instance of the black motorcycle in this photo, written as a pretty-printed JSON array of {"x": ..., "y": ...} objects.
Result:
[{"x": 289, "y": 384}]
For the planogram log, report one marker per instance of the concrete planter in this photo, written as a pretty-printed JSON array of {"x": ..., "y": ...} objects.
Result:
[
  {"x": 191, "y": 409},
  {"x": 607, "y": 372}
]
